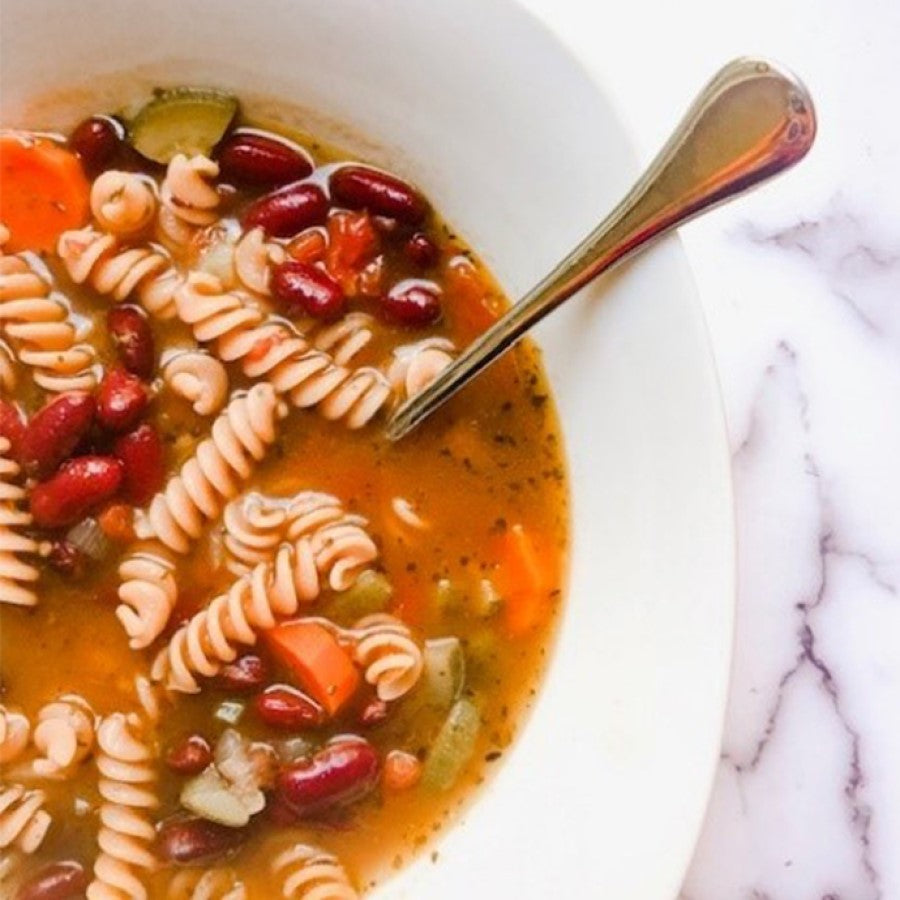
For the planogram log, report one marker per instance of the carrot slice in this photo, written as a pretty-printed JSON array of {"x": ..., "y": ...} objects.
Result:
[
  {"x": 320, "y": 664},
  {"x": 43, "y": 192},
  {"x": 523, "y": 581}
]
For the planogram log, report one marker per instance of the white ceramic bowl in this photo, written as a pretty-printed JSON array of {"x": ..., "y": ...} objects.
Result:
[{"x": 604, "y": 792}]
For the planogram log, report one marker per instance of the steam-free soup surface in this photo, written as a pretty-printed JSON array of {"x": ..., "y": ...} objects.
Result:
[{"x": 317, "y": 748}]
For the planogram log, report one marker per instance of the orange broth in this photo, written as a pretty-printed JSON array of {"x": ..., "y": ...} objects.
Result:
[{"x": 489, "y": 461}]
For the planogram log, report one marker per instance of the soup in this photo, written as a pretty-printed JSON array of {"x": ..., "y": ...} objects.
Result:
[{"x": 249, "y": 647}]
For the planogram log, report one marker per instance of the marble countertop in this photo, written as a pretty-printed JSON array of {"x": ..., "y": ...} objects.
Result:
[{"x": 800, "y": 283}]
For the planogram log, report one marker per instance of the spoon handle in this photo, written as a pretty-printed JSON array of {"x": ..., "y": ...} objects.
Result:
[{"x": 752, "y": 121}]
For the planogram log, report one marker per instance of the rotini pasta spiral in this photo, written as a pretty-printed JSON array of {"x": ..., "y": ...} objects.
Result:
[
  {"x": 345, "y": 338},
  {"x": 312, "y": 874},
  {"x": 37, "y": 322},
  {"x": 253, "y": 258},
  {"x": 23, "y": 820},
  {"x": 123, "y": 203},
  {"x": 256, "y": 524},
  {"x": 392, "y": 660},
  {"x": 148, "y": 593},
  {"x": 17, "y": 576},
  {"x": 416, "y": 365},
  {"x": 15, "y": 730},
  {"x": 63, "y": 736},
  {"x": 255, "y": 602},
  {"x": 268, "y": 347},
  {"x": 254, "y": 527},
  {"x": 127, "y": 778},
  {"x": 240, "y": 437},
  {"x": 198, "y": 377},
  {"x": 92, "y": 257},
  {"x": 206, "y": 884},
  {"x": 8, "y": 375},
  {"x": 10, "y": 863},
  {"x": 189, "y": 198}
]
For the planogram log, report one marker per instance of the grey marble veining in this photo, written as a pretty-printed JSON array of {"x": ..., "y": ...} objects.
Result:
[{"x": 800, "y": 284}]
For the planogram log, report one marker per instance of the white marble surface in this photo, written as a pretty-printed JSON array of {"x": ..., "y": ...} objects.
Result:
[{"x": 801, "y": 288}]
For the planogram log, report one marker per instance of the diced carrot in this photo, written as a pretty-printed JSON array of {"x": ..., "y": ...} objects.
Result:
[
  {"x": 43, "y": 192},
  {"x": 320, "y": 664},
  {"x": 117, "y": 522},
  {"x": 523, "y": 580}
]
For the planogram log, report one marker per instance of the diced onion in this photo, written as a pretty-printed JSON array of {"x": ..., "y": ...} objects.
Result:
[
  {"x": 445, "y": 671},
  {"x": 209, "y": 796},
  {"x": 88, "y": 537}
]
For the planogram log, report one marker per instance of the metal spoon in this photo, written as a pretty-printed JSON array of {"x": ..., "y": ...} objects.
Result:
[{"x": 752, "y": 121}]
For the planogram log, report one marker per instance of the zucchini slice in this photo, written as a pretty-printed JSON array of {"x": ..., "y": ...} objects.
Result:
[{"x": 182, "y": 120}]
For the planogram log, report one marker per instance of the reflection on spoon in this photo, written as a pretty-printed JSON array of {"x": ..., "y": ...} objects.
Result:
[{"x": 752, "y": 121}]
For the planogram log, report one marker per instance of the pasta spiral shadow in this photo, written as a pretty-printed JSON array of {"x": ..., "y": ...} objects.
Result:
[
  {"x": 127, "y": 785},
  {"x": 17, "y": 576},
  {"x": 385, "y": 650},
  {"x": 39, "y": 325},
  {"x": 63, "y": 736},
  {"x": 15, "y": 730},
  {"x": 206, "y": 884},
  {"x": 94, "y": 258},
  {"x": 268, "y": 347},
  {"x": 23, "y": 820},
  {"x": 148, "y": 594},
  {"x": 308, "y": 873},
  {"x": 255, "y": 602},
  {"x": 240, "y": 437}
]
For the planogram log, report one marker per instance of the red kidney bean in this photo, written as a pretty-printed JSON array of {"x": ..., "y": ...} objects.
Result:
[
  {"x": 133, "y": 338},
  {"x": 287, "y": 211},
  {"x": 386, "y": 195},
  {"x": 197, "y": 841},
  {"x": 57, "y": 881},
  {"x": 190, "y": 756},
  {"x": 12, "y": 427},
  {"x": 143, "y": 460},
  {"x": 284, "y": 707},
  {"x": 253, "y": 157},
  {"x": 67, "y": 559},
  {"x": 97, "y": 141},
  {"x": 121, "y": 400},
  {"x": 341, "y": 773},
  {"x": 412, "y": 303},
  {"x": 421, "y": 251},
  {"x": 373, "y": 713},
  {"x": 279, "y": 813},
  {"x": 244, "y": 676},
  {"x": 80, "y": 485},
  {"x": 303, "y": 288},
  {"x": 55, "y": 431}
]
